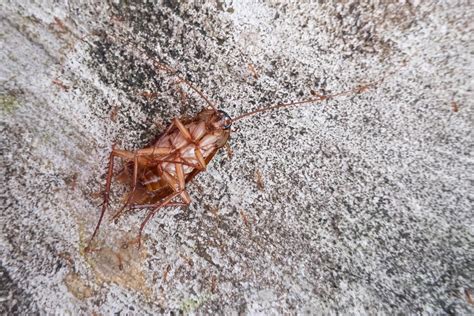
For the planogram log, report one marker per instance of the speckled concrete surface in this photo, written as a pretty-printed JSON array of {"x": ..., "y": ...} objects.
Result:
[{"x": 357, "y": 205}]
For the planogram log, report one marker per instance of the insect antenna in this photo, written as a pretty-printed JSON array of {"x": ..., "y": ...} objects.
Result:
[
  {"x": 309, "y": 101},
  {"x": 140, "y": 52},
  {"x": 318, "y": 98},
  {"x": 174, "y": 72}
]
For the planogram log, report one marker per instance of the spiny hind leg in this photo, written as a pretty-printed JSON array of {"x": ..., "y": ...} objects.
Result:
[
  {"x": 106, "y": 194},
  {"x": 166, "y": 202},
  {"x": 132, "y": 192},
  {"x": 119, "y": 153},
  {"x": 186, "y": 200}
]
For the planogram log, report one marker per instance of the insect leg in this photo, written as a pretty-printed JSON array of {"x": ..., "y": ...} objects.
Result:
[
  {"x": 136, "y": 156},
  {"x": 134, "y": 187},
  {"x": 181, "y": 192},
  {"x": 197, "y": 151},
  {"x": 160, "y": 151},
  {"x": 157, "y": 207},
  {"x": 173, "y": 183},
  {"x": 108, "y": 182},
  {"x": 182, "y": 183},
  {"x": 138, "y": 159},
  {"x": 183, "y": 129},
  {"x": 229, "y": 151},
  {"x": 151, "y": 151},
  {"x": 200, "y": 158},
  {"x": 183, "y": 162},
  {"x": 154, "y": 205}
]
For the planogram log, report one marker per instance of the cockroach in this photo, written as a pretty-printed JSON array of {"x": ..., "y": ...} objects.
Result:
[{"x": 161, "y": 171}]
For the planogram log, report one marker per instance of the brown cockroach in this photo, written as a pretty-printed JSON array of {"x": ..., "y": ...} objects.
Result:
[{"x": 162, "y": 170}]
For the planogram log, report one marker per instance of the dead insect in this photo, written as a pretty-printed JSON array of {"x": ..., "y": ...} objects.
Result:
[
  {"x": 454, "y": 106},
  {"x": 158, "y": 174}
]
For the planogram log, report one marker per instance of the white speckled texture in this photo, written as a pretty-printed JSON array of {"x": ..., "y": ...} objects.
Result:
[{"x": 366, "y": 205}]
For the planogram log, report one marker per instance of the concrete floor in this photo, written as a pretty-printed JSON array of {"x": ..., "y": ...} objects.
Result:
[{"x": 361, "y": 204}]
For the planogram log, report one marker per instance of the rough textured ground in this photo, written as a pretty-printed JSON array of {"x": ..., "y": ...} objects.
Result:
[{"x": 360, "y": 204}]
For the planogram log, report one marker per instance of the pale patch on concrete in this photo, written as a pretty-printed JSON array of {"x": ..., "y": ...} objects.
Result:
[
  {"x": 78, "y": 286},
  {"x": 123, "y": 266}
]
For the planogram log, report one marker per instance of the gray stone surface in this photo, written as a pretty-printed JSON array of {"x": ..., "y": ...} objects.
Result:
[{"x": 364, "y": 203}]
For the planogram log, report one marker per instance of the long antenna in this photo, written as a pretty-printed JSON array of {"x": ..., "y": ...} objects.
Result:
[
  {"x": 318, "y": 98},
  {"x": 174, "y": 72},
  {"x": 158, "y": 65}
]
